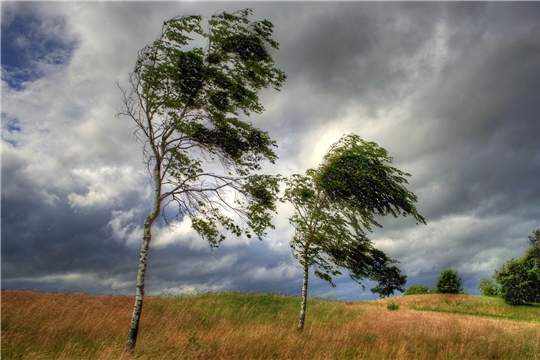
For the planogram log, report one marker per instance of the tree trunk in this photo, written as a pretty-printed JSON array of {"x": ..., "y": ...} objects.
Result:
[
  {"x": 304, "y": 299},
  {"x": 143, "y": 258}
]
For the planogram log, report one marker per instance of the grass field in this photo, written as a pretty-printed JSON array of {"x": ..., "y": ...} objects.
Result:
[{"x": 262, "y": 326}]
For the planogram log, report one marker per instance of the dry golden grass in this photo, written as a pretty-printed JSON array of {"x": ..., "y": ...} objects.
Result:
[{"x": 249, "y": 326}]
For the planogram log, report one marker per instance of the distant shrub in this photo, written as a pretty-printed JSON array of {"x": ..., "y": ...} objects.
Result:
[
  {"x": 417, "y": 290},
  {"x": 449, "y": 283},
  {"x": 392, "y": 306},
  {"x": 488, "y": 287}
]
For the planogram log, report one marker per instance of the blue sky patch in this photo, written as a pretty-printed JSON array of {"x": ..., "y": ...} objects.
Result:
[
  {"x": 34, "y": 47},
  {"x": 10, "y": 129}
]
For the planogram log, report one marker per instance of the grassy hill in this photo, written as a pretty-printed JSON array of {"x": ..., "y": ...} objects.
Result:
[{"x": 262, "y": 326}]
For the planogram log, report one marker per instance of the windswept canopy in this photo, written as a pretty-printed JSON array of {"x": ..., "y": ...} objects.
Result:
[
  {"x": 356, "y": 173},
  {"x": 190, "y": 103}
]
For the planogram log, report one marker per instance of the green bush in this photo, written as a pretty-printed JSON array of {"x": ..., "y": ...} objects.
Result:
[
  {"x": 519, "y": 280},
  {"x": 417, "y": 290},
  {"x": 488, "y": 287},
  {"x": 449, "y": 283},
  {"x": 392, "y": 306}
]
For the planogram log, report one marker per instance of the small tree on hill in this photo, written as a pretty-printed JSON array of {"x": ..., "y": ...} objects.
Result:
[
  {"x": 417, "y": 290},
  {"x": 189, "y": 105},
  {"x": 488, "y": 287},
  {"x": 335, "y": 205},
  {"x": 449, "y": 283}
]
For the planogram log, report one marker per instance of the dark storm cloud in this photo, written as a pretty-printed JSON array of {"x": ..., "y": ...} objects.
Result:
[
  {"x": 243, "y": 267},
  {"x": 344, "y": 50},
  {"x": 480, "y": 123},
  {"x": 350, "y": 55},
  {"x": 41, "y": 237},
  {"x": 255, "y": 267},
  {"x": 449, "y": 89}
]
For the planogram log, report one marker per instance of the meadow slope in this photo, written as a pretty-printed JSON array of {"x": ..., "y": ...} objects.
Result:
[{"x": 262, "y": 326}]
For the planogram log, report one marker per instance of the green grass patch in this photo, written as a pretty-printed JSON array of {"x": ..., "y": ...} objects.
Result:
[{"x": 486, "y": 306}]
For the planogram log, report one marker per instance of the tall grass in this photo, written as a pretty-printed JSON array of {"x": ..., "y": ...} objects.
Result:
[{"x": 254, "y": 326}]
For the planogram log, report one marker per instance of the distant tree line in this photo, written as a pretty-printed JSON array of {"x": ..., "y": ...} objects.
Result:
[
  {"x": 517, "y": 281},
  {"x": 448, "y": 283}
]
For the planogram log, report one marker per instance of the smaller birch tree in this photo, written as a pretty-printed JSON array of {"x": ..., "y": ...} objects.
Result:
[{"x": 335, "y": 206}]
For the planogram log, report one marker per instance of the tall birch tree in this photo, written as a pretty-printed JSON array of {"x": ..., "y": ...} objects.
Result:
[
  {"x": 335, "y": 206},
  {"x": 190, "y": 104}
]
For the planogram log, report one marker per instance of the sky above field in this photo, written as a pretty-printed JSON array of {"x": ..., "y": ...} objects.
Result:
[{"x": 449, "y": 89}]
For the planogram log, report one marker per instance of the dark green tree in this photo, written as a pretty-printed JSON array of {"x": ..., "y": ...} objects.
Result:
[
  {"x": 363, "y": 261},
  {"x": 449, "y": 283},
  {"x": 189, "y": 105},
  {"x": 389, "y": 278},
  {"x": 336, "y": 204},
  {"x": 519, "y": 280}
]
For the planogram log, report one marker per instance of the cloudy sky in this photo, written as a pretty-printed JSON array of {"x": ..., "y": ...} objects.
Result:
[{"x": 449, "y": 89}]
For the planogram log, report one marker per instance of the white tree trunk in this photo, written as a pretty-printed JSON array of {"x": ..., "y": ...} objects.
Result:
[
  {"x": 143, "y": 259},
  {"x": 304, "y": 295}
]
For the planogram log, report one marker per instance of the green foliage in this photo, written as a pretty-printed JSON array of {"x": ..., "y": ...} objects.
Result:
[
  {"x": 189, "y": 102},
  {"x": 417, "y": 290},
  {"x": 519, "y": 280},
  {"x": 534, "y": 239},
  {"x": 392, "y": 306},
  {"x": 449, "y": 283},
  {"x": 333, "y": 211},
  {"x": 389, "y": 277},
  {"x": 193, "y": 340},
  {"x": 488, "y": 287}
]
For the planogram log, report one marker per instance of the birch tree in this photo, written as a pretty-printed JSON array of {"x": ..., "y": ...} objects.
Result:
[
  {"x": 190, "y": 105},
  {"x": 335, "y": 207}
]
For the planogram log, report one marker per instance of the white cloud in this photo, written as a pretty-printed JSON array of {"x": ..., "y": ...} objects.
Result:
[
  {"x": 104, "y": 186},
  {"x": 125, "y": 228},
  {"x": 180, "y": 233},
  {"x": 284, "y": 272}
]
